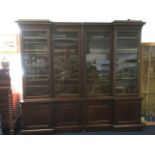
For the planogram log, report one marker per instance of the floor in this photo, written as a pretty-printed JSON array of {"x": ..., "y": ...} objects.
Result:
[{"x": 147, "y": 130}]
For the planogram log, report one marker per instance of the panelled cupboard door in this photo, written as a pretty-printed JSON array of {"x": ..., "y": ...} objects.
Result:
[
  {"x": 99, "y": 114},
  {"x": 36, "y": 63},
  {"x": 98, "y": 71},
  {"x": 68, "y": 116},
  {"x": 66, "y": 62},
  {"x": 127, "y": 112},
  {"x": 36, "y": 116},
  {"x": 127, "y": 61}
]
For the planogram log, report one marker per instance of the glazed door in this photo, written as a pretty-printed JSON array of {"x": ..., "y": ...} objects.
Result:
[
  {"x": 66, "y": 62},
  {"x": 36, "y": 63},
  {"x": 98, "y": 62},
  {"x": 127, "y": 62}
]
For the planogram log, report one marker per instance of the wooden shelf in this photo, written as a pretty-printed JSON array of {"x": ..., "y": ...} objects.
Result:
[{"x": 149, "y": 123}]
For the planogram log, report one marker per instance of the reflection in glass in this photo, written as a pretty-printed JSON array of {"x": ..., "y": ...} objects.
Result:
[
  {"x": 127, "y": 65},
  {"x": 98, "y": 63},
  {"x": 66, "y": 64},
  {"x": 126, "y": 86},
  {"x": 127, "y": 62},
  {"x": 127, "y": 40},
  {"x": 36, "y": 63}
]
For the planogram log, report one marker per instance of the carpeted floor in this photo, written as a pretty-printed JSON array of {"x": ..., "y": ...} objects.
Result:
[{"x": 147, "y": 130}]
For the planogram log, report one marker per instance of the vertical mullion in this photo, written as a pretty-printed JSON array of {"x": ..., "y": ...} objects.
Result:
[
  {"x": 51, "y": 55},
  {"x": 114, "y": 63},
  {"x": 83, "y": 63}
]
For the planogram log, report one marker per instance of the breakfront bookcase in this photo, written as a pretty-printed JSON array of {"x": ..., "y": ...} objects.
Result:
[
  {"x": 80, "y": 76},
  {"x": 148, "y": 80}
]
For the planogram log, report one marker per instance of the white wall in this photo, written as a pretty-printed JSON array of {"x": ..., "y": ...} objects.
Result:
[{"x": 81, "y": 11}]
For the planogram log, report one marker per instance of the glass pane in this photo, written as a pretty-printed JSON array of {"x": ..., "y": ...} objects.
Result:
[
  {"x": 145, "y": 67},
  {"x": 152, "y": 67},
  {"x": 127, "y": 40},
  {"x": 128, "y": 34},
  {"x": 36, "y": 63},
  {"x": 146, "y": 50},
  {"x": 126, "y": 86},
  {"x": 34, "y": 34},
  {"x": 98, "y": 42},
  {"x": 36, "y": 82},
  {"x": 127, "y": 43},
  {"x": 152, "y": 61},
  {"x": 98, "y": 63},
  {"x": 37, "y": 91},
  {"x": 151, "y": 102},
  {"x": 127, "y": 62},
  {"x": 66, "y": 63},
  {"x": 152, "y": 85},
  {"x": 30, "y": 47},
  {"x": 144, "y": 103},
  {"x": 152, "y": 51},
  {"x": 145, "y": 85},
  {"x": 35, "y": 41},
  {"x": 126, "y": 65}
]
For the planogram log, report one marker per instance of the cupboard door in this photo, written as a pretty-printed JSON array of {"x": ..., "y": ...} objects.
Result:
[
  {"x": 99, "y": 115},
  {"x": 35, "y": 61},
  {"x": 126, "y": 60},
  {"x": 36, "y": 116},
  {"x": 98, "y": 63},
  {"x": 68, "y": 116},
  {"x": 127, "y": 112},
  {"x": 66, "y": 58}
]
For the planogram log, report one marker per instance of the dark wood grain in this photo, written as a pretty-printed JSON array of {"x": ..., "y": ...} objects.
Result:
[{"x": 54, "y": 114}]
